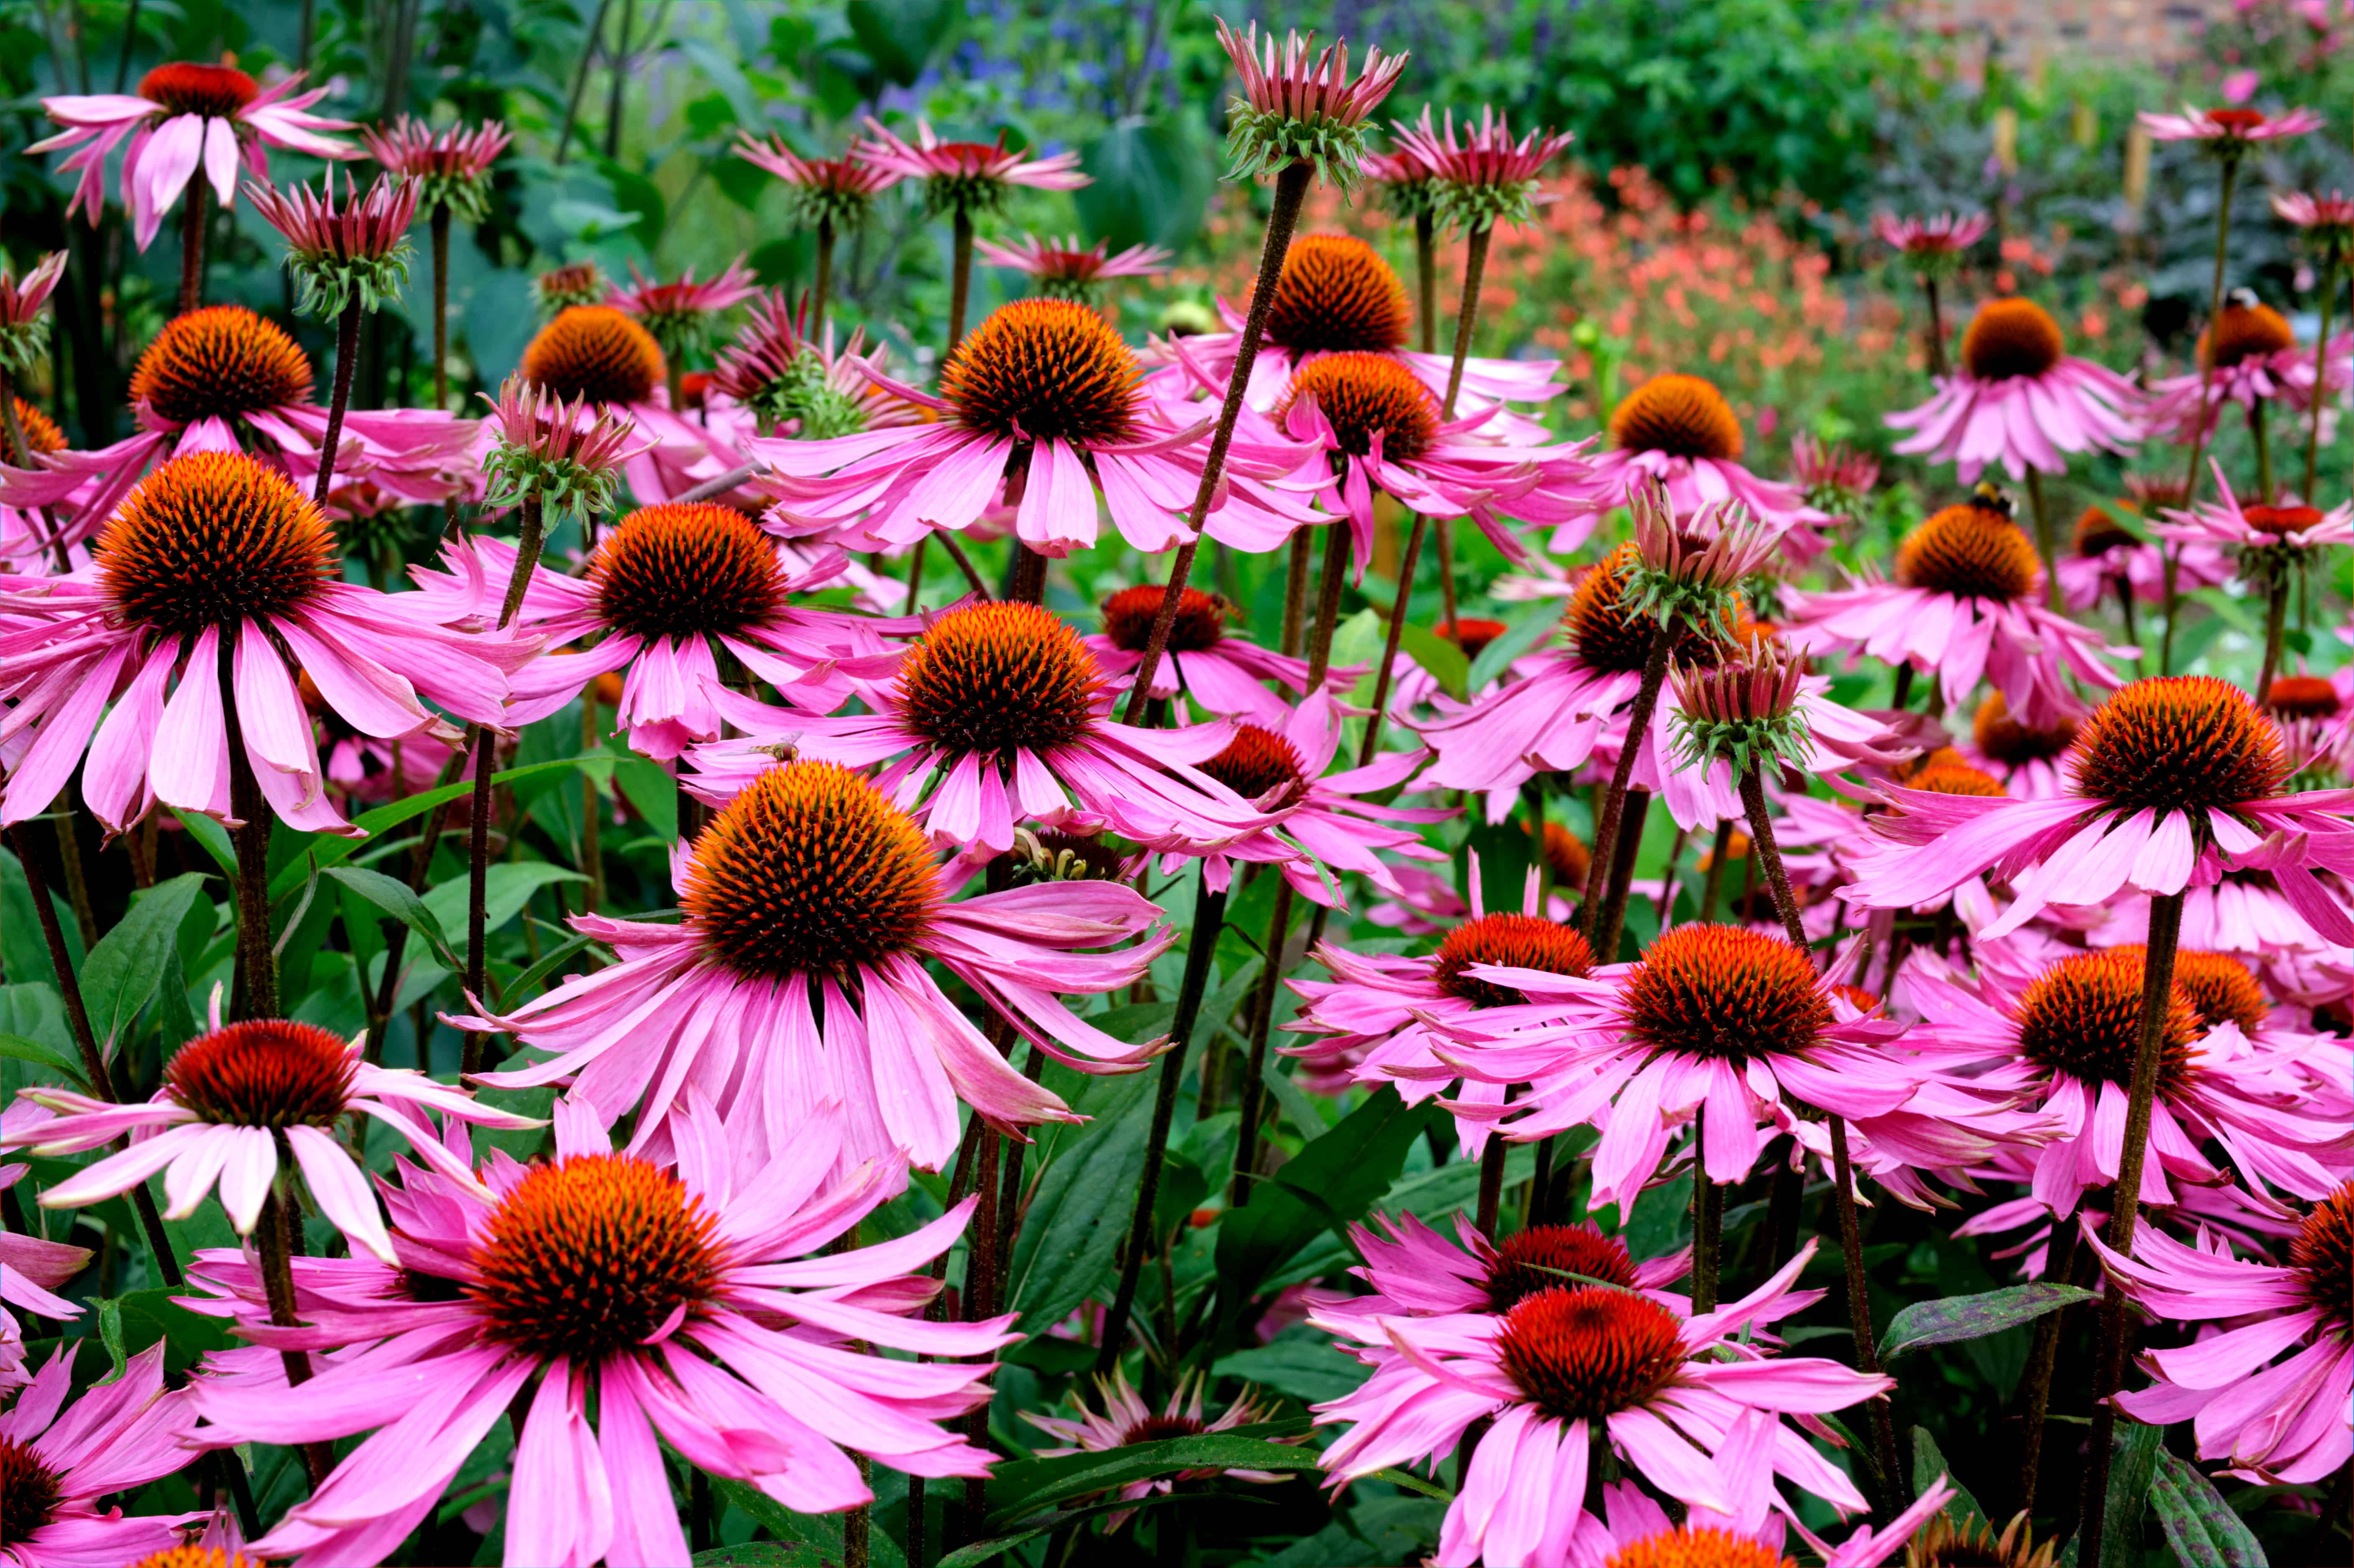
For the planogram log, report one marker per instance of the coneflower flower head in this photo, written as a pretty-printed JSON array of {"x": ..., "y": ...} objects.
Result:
[
  {"x": 1742, "y": 708},
  {"x": 1301, "y": 107},
  {"x": 966, "y": 178},
  {"x": 681, "y": 314},
  {"x": 1409, "y": 186},
  {"x": 2228, "y": 133},
  {"x": 568, "y": 456},
  {"x": 561, "y": 288},
  {"x": 2327, "y": 222},
  {"x": 1067, "y": 271},
  {"x": 1837, "y": 477},
  {"x": 1690, "y": 574},
  {"x": 1486, "y": 178},
  {"x": 339, "y": 252},
  {"x": 776, "y": 370},
  {"x": 1932, "y": 246},
  {"x": 450, "y": 167},
  {"x": 833, "y": 192},
  {"x": 23, "y": 337}
]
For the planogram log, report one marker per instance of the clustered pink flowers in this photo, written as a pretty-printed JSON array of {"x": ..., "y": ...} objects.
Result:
[{"x": 677, "y": 1013}]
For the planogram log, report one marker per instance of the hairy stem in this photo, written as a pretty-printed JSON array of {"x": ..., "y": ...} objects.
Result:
[
  {"x": 254, "y": 993},
  {"x": 1603, "y": 914},
  {"x": 824, "y": 289},
  {"x": 1937, "y": 366},
  {"x": 1492, "y": 1185},
  {"x": 960, "y": 279},
  {"x": 1372, "y": 745},
  {"x": 1466, "y": 318},
  {"x": 1209, "y": 920},
  {"x": 1253, "y": 1096},
  {"x": 478, "y": 829},
  {"x": 1338, "y": 546},
  {"x": 348, "y": 354},
  {"x": 2206, "y": 418},
  {"x": 2320, "y": 382},
  {"x": 441, "y": 230},
  {"x": 2275, "y": 631},
  {"x": 1290, "y": 190},
  {"x": 2263, "y": 451},
  {"x": 1295, "y": 592},
  {"x": 1708, "y": 1221},
  {"x": 1425, "y": 284},
  {"x": 2125, "y": 1209},
  {"x": 195, "y": 216},
  {"x": 273, "y": 1233},
  {"x": 2044, "y": 545},
  {"x": 592, "y": 808},
  {"x": 2043, "y": 1359}
]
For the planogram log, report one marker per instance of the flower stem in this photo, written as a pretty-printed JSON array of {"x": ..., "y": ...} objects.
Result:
[
  {"x": 441, "y": 230},
  {"x": 2275, "y": 628},
  {"x": 94, "y": 1063},
  {"x": 1466, "y": 319},
  {"x": 1253, "y": 1096},
  {"x": 1425, "y": 283},
  {"x": 959, "y": 278},
  {"x": 478, "y": 829},
  {"x": 254, "y": 993},
  {"x": 1371, "y": 748},
  {"x": 1603, "y": 916},
  {"x": 2043, "y": 1359},
  {"x": 1491, "y": 1185},
  {"x": 1708, "y": 1221},
  {"x": 915, "y": 574},
  {"x": 273, "y": 1234},
  {"x": 1337, "y": 550},
  {"x": 1209, "y": 920},
  {"x": 1713, "y": 882},
  {"x": 819, "y": 295},
  {"x": 2125, "y": 1209},
  {"x": 1295, "y": 592},
  {"x": 2321, "y": 381},
  {"x": 1937, "y": 366},
  {"x": 2045, "y": 545},
  {"x": 196, "y": 215},
  {"x": 592, "y": 808},
  {"x": 347, "y": 354},
  {"x": 1290, "y": 190},
  {"x": 2263, "y": 451}
]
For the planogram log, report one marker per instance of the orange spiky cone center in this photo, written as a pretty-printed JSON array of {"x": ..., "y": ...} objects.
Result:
[
  {"x": 1127, "y": 617},
  {"x": 218, "y": 362},
  {"x": 1699, "y": 1546},
  {"x": 2011, "y": 338},
  {"x": 2219, "y": 988},
  {"x": 2006, "y": 740},
  {"x": 686, "y": 570},
  {"x": 1510, "y": 941},
  {"x": 186, "y": 87},
  {"x": 1956, "y": 778},
  {"x": 1585, "y": 1352},
  {"x": 1260, "y": 765},
  {"x": 1566, "y": 857},
  {"x": 2083, "y": 1017},
  {"x": 1724, "y": 992},
  {"x": 594, "y": 352},
  {"x": 2178, "y": 742},
  {"x": 1541, "y": 1257},
  {"x": 1472, "y": 633},
  {"x": 2245, "y": 332},
  {"x": 2323, "y": 1252},
  {"x": 996, "y": 678},
  {"x": 1682, "y": 416},
  {"x": 1336, "y": 293},
  {"x": 1969, "y": 552},
  {"x": 2097, "y": 533},
  {"x": 41, "y": 432},
  {"x": 1365, "y": 395},
  {"x": 212, "y": 540},
  {"x": 1044, "y": 370},
  {"x": 2302, "y": 697},
  {"x": 29, "y": 1492},
  {"x": 263, "y": 1072}
]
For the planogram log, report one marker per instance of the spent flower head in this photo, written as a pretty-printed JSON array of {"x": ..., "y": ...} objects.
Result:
[
  {"x": 563, "y": 455},
  {"x": 24, "y": 337},
  {"x": 1301, "y": 107},
  {"x": 342, "y": 252},
  {"x": 449, "y": 167},
  {"x": 1486, "y": 178},
  {"x": 1742, "y": 708},
  {"x": 836, "y": 193},
  {"x": 559, "y": 288},
  {"x": 1690, "y": 570}
]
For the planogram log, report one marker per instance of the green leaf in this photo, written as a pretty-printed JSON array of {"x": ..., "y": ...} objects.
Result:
[
  {"x": 1153, "y": 179},
  {"x": 506, "y": 888},
  {"x": 1957, "y": 1318},
  {"x": 1307, "y": 1368},
  {"x": 23, "y": 1050},
  {"x": 1525, "y": 632},
  {"x": 1026, "y": 1485},
  {"x": 900, "y": 36},
  {"x": 820, "y": 1533},
  {"x": 122, "y": 972},
  {"x": 651, "y": 791},
  {"x": 1439, "y": 656},
  {"x": 1344, "y": 1171},
  {"x": 400, "y": 901},
  {"x": 216, "y": 840},
  {"x": 1414, "y": 1483},
  {"x": 24, "y": 947},
  {"x": 110, "y": 1333},
  {"x": 2133, "y": 1467},
  {"x": 2200, "y": 1525},
  {"x": 1296, "y": 1106},
  {"x": 762, "y": 1554},
  {"x": 335, "y": 851},
  {"x": 1928, "y": 1463},
  {"x": 994, "y": 1549},
  {"x": 520, "y": 987},
  {"x": 145, "y": 1318},
  {"x": 1072, "y": 1230}
]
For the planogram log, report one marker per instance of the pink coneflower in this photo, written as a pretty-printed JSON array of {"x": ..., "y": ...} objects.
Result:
[
  {"x": 185, "y": 116},
  {"x": 1967, "y": 604},
  {"x": 2277, "y": 1422},
  {"x": 2024, "y": 760},
  {"x": 813, "y": 891},
  {"x": 824, "y": 191},
  {"x": 236, "y": 1104},
  {"x": 1301, "y": 107},
  {"x": 1679, "y": 429},
  {"x": 670, "y": 590},
  {"x": 682, "y": 314},
  {"x": 566, "y": 456},
  {"x": 688, "y": 1304},
  {"x": 1337, "y": 295},
  {"x": 1381, "y": 431},
  {"x": 2019, "y": 398},
  {"x": 1575, "y": 1366},
  {"x": 1836, "y": 478},
  {"x": 1321, "y": 825},
  {"x": 2328, "y": 221},
  {"x": 998, "y": 715},
  {"x": 24, "y": 331},
  {"x": 779, "y": 377},
  {"x": 449, "y": 167},
  {"x": 58, "y": 1461},
  {"x": 1040, "y": 411},
  {"x": 30, "y": 1271},
  {"x": 1640, "y": 1534},
  {"x": 1067, "y": 271},
  {"x": 2062, "y": 1038},
  {"x": 1384, "y": 1019},
  {"x": 1413, "y": 1271},
  {"x": 2172, "y": 781},
  {"x": 1125, "y": 1418},
  {"x": 1216, "y": 670},
  {"x": 2105, "y": 556},
  {"x": 221, "y": 379},
  {"x": 2248, "y": 355},
  {"x": 2266, "y": 540},
  {"x": 2229, "y": 132},
  {"x": 966, "y": 177},
  {"x": 219, "y": 573},
  {"x": 344, "y": 252},
  {"x": 600, "y": 354},
  {"x": 1486, "y": 177},
  {"x": 1932, "y": 246}
]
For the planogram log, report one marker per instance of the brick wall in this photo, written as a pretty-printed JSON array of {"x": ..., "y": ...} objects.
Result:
[{"x": 2027, "y": 30}]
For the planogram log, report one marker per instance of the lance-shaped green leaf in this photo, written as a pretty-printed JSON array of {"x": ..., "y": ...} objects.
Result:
[
  {"x": 2200, "y": 1525},
  {"x": 123, "y": 971},
  {"x": 1953, "y": 1318}
]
